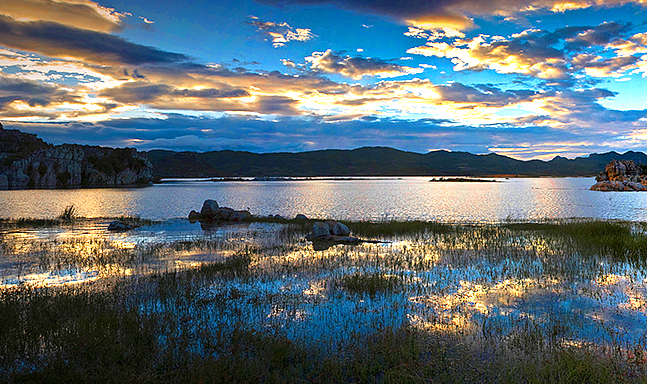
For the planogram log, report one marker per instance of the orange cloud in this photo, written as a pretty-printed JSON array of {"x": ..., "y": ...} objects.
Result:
[{"x": 83, "y": 14}]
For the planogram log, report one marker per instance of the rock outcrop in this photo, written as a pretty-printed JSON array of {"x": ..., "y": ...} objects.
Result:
[
  {"x": 28, "y": 162},
  {"x": 212, "y": 212},
  {"x": 621, "y": 175}
]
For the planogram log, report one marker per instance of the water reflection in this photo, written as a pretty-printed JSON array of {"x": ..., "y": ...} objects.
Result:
[
  {"x": 488, "y": 284},
  {"x": 374, "y": 199}
]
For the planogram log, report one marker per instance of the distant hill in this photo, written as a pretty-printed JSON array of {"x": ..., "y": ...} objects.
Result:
[{"x": 372, "y": 161}]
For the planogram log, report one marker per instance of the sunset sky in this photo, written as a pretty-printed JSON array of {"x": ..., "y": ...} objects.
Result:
[{"x": 527, "y": 79}]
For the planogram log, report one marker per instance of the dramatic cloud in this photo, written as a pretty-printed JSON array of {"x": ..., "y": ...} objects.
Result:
[
  {"x": 580, "y": 111},
  {"x": 536, "y": 90},
  {"x": 29, "y": 93},
  {"x": 281, "y": 33},
  {"x": 149, "y": 93},
  {"x": 547, "y": 55},
  {"x": 357, "y": 67},
  {"x": 84, "y": 14},
  {"x": 60, "y": 41},
  {"x": 454, "y": 15}
]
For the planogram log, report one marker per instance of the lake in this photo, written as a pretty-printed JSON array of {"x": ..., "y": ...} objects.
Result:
[
  {"x": 490, "y": 295},
  {"x": 374, "y": 199}
]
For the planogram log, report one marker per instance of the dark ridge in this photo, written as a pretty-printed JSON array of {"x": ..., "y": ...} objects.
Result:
[{"x": 372, "y": 161}]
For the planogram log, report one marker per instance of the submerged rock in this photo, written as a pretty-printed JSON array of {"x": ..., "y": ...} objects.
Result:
[{"x": 118, "y": 226}]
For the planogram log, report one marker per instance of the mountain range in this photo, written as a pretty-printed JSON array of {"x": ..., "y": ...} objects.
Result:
[{"x": 372, "y": 161}]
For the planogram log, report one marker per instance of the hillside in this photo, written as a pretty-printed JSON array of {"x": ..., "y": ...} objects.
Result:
[{"x": 372, "y": 161}]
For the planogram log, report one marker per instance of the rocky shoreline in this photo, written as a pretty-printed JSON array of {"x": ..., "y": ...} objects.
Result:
[
  {"x": 27, "y": 162},
  {"x": 621, "y": 175}
]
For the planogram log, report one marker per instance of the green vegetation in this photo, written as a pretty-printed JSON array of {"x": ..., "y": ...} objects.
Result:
[
  {"x": 114, "y": 161},
  {"x": 441, "y": 303}
]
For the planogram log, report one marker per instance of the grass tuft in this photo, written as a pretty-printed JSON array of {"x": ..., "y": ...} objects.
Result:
[
  {"x": 68, "y": 215},
  {"x": 371, "y": 283}
]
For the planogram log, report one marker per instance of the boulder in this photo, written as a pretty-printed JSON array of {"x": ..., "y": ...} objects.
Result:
[
  {"x": 212, "y": 212},
  {"x": 118, "y": 226},
  {"x": 634, "y": 186},
  {"x": 621, "y": 170},
  {"x": 240, "y": 216},
  {"x": 209, "y": 208},
  {"x": 340, "y": 229},
  {"x": 329, "y": 229},
  {"x": 194, "y": 216},
  {"x": 320, "y": 229},
  {"x": 222, "y": 213}
]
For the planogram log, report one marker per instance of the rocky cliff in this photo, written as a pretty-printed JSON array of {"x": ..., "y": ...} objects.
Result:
[{"x": 28, "y": 162}]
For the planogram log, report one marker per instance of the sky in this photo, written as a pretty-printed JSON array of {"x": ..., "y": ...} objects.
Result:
[{"x": 530, "y": 79}]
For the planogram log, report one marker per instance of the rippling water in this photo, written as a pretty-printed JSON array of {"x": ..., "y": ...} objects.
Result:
[{"x": 369, "y": 199}]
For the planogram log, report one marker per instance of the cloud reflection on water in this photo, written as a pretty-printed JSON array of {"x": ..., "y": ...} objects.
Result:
[{"x": 476, "y": 282}]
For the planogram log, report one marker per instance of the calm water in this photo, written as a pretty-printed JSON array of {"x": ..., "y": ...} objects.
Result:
[
  {"x": 481, "y": 284},
  {"x": 372, "y": 199}
]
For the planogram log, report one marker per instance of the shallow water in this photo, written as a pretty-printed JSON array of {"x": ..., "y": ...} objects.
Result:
[
  {"x": 367, "y": 199},
  {"x": 487, "y": 284}
]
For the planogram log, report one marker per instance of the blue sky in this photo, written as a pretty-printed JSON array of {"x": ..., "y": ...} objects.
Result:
[{"x": 527, "y": 79}]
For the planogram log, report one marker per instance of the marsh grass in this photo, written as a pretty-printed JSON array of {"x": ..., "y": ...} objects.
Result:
[
  {"x": 397, "y": 228},
  {"x": 68, "y": 215},
  {"x": 420, "y": 309},
  {"x": 371, "y": 283}
]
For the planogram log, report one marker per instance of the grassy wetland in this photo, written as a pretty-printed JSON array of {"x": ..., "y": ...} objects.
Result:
[{"x": 553, "y": 301}]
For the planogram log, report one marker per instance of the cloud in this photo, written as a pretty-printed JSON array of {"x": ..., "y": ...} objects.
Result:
[
  {"x": 485, "y": 95},
  {"x": 28, "y": 100},
  {"x": 226, "y": 99},
  {"x": 356, "y": 67},
  {"x": 557, "y": 55},
  {"x": 61, "y": 41},
  {"x": 454, "y": 14},
  {"x": 281, "y": 33},
  {"x": 29, "y": 93},
  {"x": 580, "y": 111},
  {"x": 526, "y": 54},
  {"x": 146, "y": 93},
  {"x": 183, "y": 133},
  {"x": 83, "y": 14}
]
